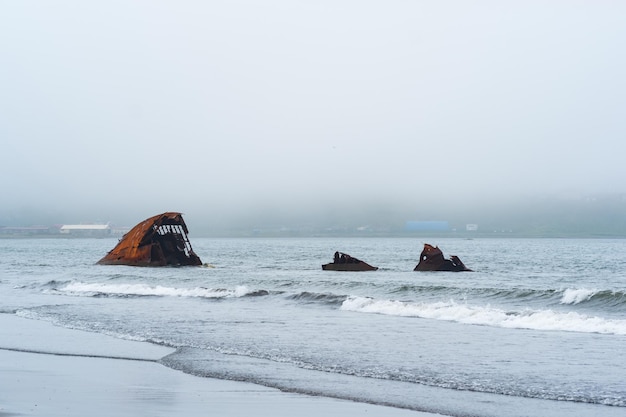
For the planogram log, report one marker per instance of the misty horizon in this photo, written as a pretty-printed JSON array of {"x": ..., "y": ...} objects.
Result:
[
  {"x": 244, "y": 115},
  {"x": 593, "y": 215}
]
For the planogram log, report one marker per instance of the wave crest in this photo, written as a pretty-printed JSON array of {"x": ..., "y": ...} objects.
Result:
[
  {"x": 313, "y": 297},
  {"x": 488, "y": 316},
  {"x": 575, "y": 296},
  {"x": 143, "y": 290}
]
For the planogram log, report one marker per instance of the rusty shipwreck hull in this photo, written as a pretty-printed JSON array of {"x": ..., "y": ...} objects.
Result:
[
  {"x": 345, "y": 262},
  {"x": 160, "y": 240},
  {"x": 361, "y": 266},
  {"x": 431, "y": 259}
]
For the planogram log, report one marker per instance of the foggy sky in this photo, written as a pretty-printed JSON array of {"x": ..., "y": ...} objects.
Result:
[{"x": 223, "y": 108}]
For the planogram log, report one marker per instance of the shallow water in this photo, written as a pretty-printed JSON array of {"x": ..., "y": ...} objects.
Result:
[{"x": 538, "y": 329}]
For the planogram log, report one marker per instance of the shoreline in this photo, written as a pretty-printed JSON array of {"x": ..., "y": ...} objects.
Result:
[{"x": 54, "y": 371}]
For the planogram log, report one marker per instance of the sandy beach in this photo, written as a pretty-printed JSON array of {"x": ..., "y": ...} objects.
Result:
[{"x": 50, "y": 371}]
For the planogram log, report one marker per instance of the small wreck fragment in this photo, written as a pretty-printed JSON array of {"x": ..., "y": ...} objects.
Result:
[
  {"x": 160, "y": 240},
  {"x": 345, "y": 262},
  {"x": 431, "y": 259}
]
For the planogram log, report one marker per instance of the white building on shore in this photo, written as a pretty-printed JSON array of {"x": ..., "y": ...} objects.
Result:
[{"x": 85, "y": 230}]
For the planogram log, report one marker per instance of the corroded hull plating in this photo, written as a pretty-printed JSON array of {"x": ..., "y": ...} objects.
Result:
[
  {"x": 361, "y": 266},
  {"x": 160, "y": 240},
  {"x": 345, "y": 262},
  {"x": 431, "y": 259}
]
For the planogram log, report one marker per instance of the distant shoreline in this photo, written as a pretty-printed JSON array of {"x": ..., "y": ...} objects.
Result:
[{"x": 295, "y": 235}]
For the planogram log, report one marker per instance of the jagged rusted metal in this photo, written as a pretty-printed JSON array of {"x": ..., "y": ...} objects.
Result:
[
  {"x": 345, "y": 262},
  {"x": 160, "y": 240},
  {"x": 431, "y": 259}
]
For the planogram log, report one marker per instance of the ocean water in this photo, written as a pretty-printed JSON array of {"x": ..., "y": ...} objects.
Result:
[{"x": 538, "y": 329}]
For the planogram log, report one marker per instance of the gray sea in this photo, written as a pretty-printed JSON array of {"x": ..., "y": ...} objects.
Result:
[{"x": 538, "y": 329}]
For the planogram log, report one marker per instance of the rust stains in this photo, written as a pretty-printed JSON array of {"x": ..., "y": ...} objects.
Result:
[
  {"x": 160, "y": 240},
  {"x": 431, "y": 259}
]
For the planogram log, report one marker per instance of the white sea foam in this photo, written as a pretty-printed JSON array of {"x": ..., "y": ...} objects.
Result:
[
  {"x": 575, "y": 296},
  {"x": 488, "y": 316},
  {"x": 88, "y": 289}
]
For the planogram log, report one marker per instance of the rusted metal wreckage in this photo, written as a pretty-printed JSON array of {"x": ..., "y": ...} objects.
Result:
[
  {"x": 431, "y": 259},
  {"x": 160, "y": 240},
  {"x": 345, "y": 262}
]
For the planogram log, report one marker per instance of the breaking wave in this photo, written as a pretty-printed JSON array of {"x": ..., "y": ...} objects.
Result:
[
  {"x": 488, "y": 316},
  {"x": 576, "y": 296},
  {"x": 142, "y": 290},
  {"x": 614, "y": 300},
  {"x": 605, "y": 298}
]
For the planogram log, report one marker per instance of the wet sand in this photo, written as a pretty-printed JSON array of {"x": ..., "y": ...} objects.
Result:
[{"x": 50, "y": 371}]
